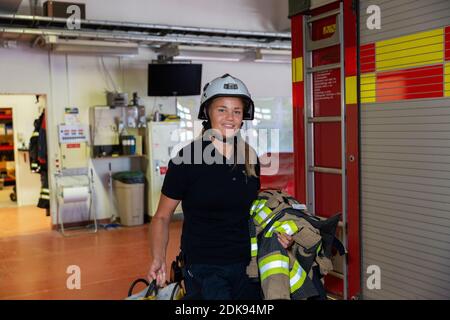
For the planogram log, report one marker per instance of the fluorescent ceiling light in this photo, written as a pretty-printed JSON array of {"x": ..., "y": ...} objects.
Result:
[
  {"x": 273, "y": 56},
  {"x": 91, "y": 46},
  {"x": 208, "y": 53},
  {"x": 205, "y": 58}
]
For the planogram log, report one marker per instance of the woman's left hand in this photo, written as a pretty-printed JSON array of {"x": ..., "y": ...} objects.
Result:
[{"x": 285, "y": 240}]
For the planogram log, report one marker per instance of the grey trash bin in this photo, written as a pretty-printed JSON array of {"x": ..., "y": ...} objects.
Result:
[{"x": 129, "y": 192}]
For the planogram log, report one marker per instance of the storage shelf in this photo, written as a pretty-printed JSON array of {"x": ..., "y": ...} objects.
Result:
[{"x": 6, "y": 148}]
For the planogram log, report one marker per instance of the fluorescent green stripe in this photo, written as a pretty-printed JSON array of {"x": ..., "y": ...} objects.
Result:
[
  {"x": 291, "y": 224},
  {"x": 273, "y": 257},
  {"x": 269, "y": 233},
  {"x": 254, "y": 247},
  {"x": 273, "y": 271},
  {"x": 262, "y": 215},
  {"x": 297, "y": 277},
  {"x": 257, "y": 219},
  {"x": 319, "y": 248},
  {"x": 253, "y": 207},
  {"x": 261, "y": 204}
]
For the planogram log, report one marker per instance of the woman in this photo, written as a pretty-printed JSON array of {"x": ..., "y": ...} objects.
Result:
[{"x": 216, "y": 177}]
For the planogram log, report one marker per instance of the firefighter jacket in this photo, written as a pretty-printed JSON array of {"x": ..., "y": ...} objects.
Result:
[
  {"x": 293, "y": 273},
  {"x": 38, "y": 159}
]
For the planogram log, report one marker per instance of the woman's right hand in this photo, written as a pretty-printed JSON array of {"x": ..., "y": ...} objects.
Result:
[{"x": 157, "y": 271}]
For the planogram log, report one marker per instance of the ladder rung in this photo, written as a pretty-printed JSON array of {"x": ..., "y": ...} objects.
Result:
[
  {"x": 323, "y": 15},
  {"x": 325, "y": 170},
  {"x": 336, "y": 274},
  {"x": 324, "y": 67},
  {"x": 324, "y": 119}
]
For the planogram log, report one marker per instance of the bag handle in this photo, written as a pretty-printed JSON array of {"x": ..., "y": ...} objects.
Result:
[{"x": 152, "y": 287}]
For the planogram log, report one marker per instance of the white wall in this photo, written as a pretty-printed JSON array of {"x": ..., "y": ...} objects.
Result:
[
  {"x": 25, "y": 111},
  {"x": 257, "y": 15},
  {"x": 78, "y": 81}
]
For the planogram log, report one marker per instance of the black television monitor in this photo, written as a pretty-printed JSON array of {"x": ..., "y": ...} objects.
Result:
[{"x": 175, "y": 79}]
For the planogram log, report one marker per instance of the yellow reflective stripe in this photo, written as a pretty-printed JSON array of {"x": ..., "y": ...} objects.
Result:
[
  {"x": 418, "y": 49},
  {"x": 260, "y": 205},
  {"x": 34, "y": 165},
  {"x": 270, "y": 231},
  {"x": 35, "y": 134},
  {"x": 262, "y": 216},
  {"x": 289, "y": 227},
  {"x": 368, "y": 88},
  {"x": 254, "y": 247},
  {"x": 350, "y": 90},
  {"x": 265, "y": 223},
  {"x": 273, "y": 257},
  {"x": 447, "y": 79},
  {"x": 253, "y": 207},
  {"x": 297, "y": 69},
  {"x": 297, "y": 277},
  {"x": 273, "y": 264},
  {"x": 45, "y": 197},
  {"x": 45, "y": 190},
  {"x": 319, "y": 248}
]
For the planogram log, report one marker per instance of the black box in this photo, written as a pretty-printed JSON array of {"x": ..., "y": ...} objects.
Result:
[{"x": 58, "y": 9}]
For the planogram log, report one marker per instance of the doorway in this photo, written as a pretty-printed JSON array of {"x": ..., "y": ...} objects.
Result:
[
  {"x": 20, "y": 187},
  {"x": 8, "y": 195}
]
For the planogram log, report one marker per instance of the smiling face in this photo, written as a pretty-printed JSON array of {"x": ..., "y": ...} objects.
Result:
[{"x": 226, "y": 114}]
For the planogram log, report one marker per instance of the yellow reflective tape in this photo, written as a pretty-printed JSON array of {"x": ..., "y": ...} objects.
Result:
[
  {"x": 45, "y": 197},
  {"x": 297, "y": 69},
  {"x": 368, "y": 88},
  {"x": 262, "y": 215},
  {"x": 273, "y": 257},
  {"x": 319, "y": 248},
  {"x": 297, "y": 277},
  {"x": 273, "y": 264},
  {"x": 35, "y": 134},
  {"x": 270, "y": 231},
  {"x": 260, "y": 205},
  {"x": 419, "y": 49},
  {"x": 289, "y": 227},
  {"x": 447, "y": 79},
  {"x": 350, "y": 90},
  {"x": 253, "y": 207},
  {"x": 254, "y": 246}
]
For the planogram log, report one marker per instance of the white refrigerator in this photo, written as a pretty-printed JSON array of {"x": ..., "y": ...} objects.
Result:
[{"x": 163, "y": 140}]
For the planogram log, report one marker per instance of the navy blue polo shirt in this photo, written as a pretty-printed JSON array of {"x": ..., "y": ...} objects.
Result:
[{"x": 216, "y": 199}]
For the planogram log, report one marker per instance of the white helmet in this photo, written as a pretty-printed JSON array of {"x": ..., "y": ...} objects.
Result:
[{"x": 226, "y": 86}]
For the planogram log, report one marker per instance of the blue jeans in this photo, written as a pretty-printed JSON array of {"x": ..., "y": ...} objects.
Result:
[{"x": 219, "y": 282}]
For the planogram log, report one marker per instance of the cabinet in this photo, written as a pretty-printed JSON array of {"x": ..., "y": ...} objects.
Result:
[{"x": 7, "y": 161}]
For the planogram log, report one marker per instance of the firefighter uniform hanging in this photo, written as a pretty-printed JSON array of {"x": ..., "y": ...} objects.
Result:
[
  {"x": 38, "y": 159},
  {"x": 295, "y": 273}
]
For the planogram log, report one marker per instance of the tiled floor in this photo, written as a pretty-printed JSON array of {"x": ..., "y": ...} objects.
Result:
[{"x": 33, "y": 264}]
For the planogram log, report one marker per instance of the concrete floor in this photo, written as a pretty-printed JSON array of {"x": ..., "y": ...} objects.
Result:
[{"x": 34, "y": 259}]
